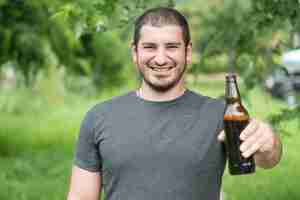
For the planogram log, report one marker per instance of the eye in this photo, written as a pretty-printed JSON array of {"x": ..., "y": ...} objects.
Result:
[
  {"x": 172, "y": 47},
  {"x": 148, "y": 47}
]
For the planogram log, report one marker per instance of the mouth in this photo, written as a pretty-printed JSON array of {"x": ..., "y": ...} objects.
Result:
[{"x": 161, "y": 69}]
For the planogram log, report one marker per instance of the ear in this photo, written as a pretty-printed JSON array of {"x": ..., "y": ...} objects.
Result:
[
  {"x": 134, "y": 53},
  {"x": 189, "y": 53}
]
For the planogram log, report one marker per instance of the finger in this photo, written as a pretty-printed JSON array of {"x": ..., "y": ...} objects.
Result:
[
  {"x": 265, "y": 147},
  {"x": 268, "y": 144},
  {"x": 221, "y": 136},
  {"x": 246, "y": 144},
  {"x": 254, "y": 147},
  {"x": 269, "y": 137},
  {"x": 250, "y": 129}
]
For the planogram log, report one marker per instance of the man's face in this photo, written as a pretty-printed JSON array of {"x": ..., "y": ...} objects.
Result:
[{"x": 161, "y": 56}]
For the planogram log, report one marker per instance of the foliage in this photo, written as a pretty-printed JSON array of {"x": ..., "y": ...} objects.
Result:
[
  {"x": 99, "y": 15},
  {"x": 20, "y": 25},
  {"x": 46, "y": 34},
  {"x": 286, "y": 116},
  {"x": 251, "y": 33},
  {"x": 247, "y": 37}
]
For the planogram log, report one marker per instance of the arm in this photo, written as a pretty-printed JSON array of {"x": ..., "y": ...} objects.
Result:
[{"x": 84, "y": 185}]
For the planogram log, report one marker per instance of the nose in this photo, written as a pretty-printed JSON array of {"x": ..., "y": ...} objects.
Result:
[{"x": 161, "y": 58}]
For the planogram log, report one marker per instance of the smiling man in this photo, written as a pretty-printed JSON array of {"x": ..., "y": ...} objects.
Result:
[
  {"x": 161, "y": 56},
  {"x": 161, "y": 50},
  {"x": 162, "y": 141}
]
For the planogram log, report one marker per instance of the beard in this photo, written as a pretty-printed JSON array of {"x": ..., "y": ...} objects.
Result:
[{"x": 162, "y": 86}]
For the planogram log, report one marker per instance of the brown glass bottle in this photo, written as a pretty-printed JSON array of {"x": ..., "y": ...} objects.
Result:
[{"x": 236, "y": 118}]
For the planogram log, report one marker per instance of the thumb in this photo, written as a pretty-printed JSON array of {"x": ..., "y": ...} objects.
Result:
[{"x": 221, "y": 136}]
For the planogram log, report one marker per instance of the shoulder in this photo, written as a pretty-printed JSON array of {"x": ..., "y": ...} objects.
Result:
[
  {"x": 212, "y": 108},
  {"x": 101, "y": 109},
  {"x": 207, "y": 102}
]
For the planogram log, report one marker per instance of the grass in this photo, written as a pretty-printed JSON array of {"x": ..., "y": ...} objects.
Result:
[
  {"x": 279, "y": 183},
  {"x": 36, "y": 145},
  {"x": 35, "y": 174},
  {"x": 36, "y": 149}
]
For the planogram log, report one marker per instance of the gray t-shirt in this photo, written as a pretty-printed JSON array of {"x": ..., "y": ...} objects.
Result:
[{"x": 155, "y": 150}]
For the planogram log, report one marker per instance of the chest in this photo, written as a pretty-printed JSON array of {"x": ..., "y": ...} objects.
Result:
[{"x": 164, "y": 141}]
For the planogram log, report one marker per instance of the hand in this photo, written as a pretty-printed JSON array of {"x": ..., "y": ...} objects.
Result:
[{"x": 257, "y": 137}]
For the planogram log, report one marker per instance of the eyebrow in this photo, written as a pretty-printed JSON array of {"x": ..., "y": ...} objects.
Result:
[
  {"x": 174, "y": 43},
  {"x": 148, "y": 43},
  {"x": 168, "y": 43}
]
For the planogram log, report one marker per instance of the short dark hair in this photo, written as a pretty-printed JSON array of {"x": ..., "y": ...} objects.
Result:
[{"x": 161, "y": 16}]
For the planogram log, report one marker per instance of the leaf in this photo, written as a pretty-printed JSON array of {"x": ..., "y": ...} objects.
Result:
[{"x": 2, "y": 2}]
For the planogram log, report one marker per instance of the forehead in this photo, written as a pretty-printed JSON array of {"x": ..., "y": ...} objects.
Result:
[{"x": 165, "y": 33}]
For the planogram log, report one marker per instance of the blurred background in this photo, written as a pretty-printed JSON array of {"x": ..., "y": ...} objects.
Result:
[{"x": 60, "y": 57}]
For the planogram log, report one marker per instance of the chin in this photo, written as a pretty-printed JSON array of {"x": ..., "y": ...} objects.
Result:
[{"x": 162, "y": 87}]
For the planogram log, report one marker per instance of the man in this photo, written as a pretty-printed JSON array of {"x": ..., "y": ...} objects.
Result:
[{"x": 160, "y": 142}]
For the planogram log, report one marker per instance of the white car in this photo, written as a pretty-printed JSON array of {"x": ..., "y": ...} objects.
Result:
[{"x": 284, "y": 81}]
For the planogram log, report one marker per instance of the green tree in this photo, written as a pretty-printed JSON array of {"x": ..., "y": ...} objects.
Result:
[
  {"x": 39, "y": 34},
  {"x": 246, "y": 36},
  {"x": 249, "y": 33}
]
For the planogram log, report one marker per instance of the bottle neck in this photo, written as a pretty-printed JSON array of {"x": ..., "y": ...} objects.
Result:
[{"x": 232, "y": 90}]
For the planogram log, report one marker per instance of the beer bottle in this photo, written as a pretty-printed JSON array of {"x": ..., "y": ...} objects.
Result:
[{"x": 236, "y": 118}]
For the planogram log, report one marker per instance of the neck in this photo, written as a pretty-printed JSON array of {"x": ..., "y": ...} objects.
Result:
[{"x": 148, "y": 93}]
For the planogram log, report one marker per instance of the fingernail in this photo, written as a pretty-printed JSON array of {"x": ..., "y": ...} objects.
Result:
[
  {"x": 242, "y": 136},
  {"x": 242, "y": 147},
  {"x": 245, "y": 155}
]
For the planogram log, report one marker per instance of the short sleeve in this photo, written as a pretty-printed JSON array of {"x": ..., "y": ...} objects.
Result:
[
  {"x": 220, "y": 126},
  {"x": 87, "y": 155},
  {"x": 221, "y": 110}
]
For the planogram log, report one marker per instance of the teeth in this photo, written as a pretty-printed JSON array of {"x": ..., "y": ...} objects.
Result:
[{"x": 161, "y": 69}]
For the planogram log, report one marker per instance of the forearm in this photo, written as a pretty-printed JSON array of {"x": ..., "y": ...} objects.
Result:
[
  {"x": 84, "y": 185},
  {"x": 78, "y": 196},
  {"x": 271, "y": 158}
]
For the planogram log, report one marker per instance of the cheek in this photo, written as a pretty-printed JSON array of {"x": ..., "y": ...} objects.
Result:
[
  {"x": 178, "y": 55},
  {"x": 145, "y": 57}
]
